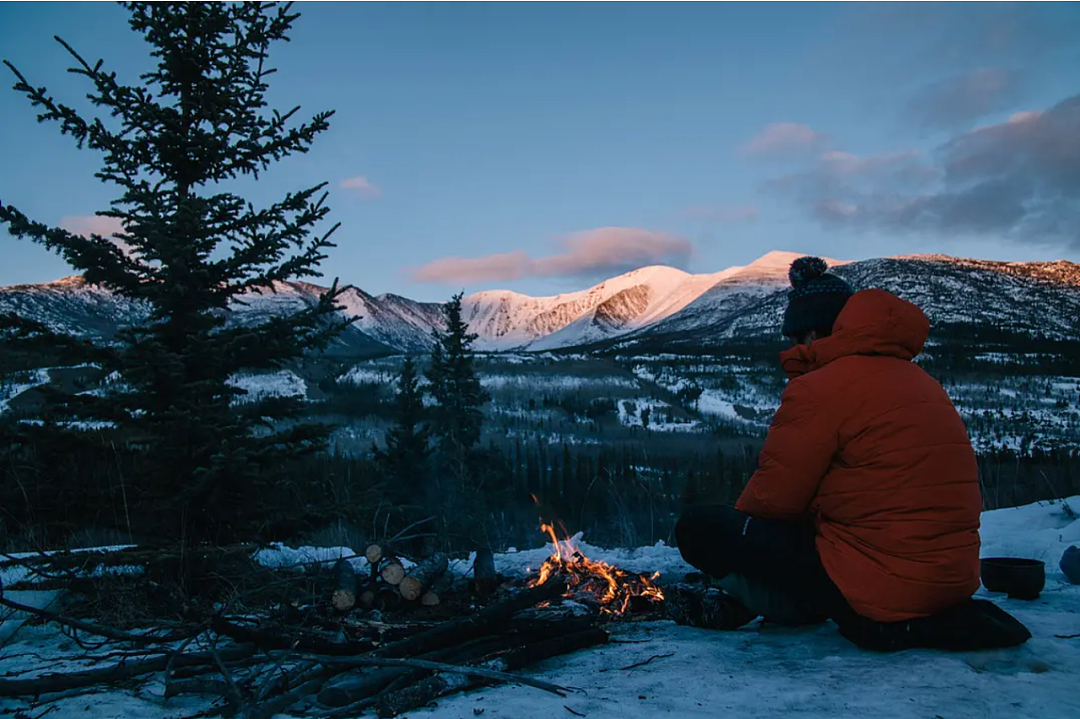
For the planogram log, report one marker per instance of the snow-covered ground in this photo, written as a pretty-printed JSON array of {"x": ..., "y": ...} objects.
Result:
[
  {"x": 283, "y": 383},
  {"x": 551, "y": 382},
  {"x": 632, "y": 413},
  {"x": 757, "y": 671},
  {"x": 11, "y": 389}
]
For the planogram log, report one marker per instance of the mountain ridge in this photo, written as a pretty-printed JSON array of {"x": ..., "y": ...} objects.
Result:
[{"x": 651, "y": 302}]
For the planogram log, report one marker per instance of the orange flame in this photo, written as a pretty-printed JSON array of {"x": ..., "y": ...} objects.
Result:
[{"x": 613, "y": 587}]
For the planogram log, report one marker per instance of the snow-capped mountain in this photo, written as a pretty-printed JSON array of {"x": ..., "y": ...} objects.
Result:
[
  {"x": 389, "y": 320},
  {"x": 1027, "y": 298},
  {"x": 648, "y": 305},
  {"x": 507, "y": 320}
]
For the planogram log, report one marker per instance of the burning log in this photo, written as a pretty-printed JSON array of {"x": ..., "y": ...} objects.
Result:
[
  {"x": 423, "y": 576},
  {"x": 615, "y": 589},
  {"x": 344, "y": 596},
  {"x": 485, "y": 580},
  {"x": 393, "y": 573}
]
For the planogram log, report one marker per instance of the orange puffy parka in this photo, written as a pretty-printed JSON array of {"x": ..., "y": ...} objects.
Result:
[{"x": 872, "y": 448}]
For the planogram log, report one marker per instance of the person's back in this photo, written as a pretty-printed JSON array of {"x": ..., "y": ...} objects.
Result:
[
  {"x": 896, "y": 503},
  {"x": 865, "y": 504}
]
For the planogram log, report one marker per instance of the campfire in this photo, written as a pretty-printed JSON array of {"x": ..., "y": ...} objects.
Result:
[{"x": 616, "y": 590}]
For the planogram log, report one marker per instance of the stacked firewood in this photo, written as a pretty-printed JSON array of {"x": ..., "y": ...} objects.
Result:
[
  {"x": 337, "y": 657},
  {"x": 392, "y": 583},
  {"x": 388, "y": 584}
]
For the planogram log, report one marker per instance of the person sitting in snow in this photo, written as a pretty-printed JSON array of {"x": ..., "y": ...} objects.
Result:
[{"x": 865, "y": 505}]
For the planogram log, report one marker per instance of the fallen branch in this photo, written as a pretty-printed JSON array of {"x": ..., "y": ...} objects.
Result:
[
  {"x": 213, "y": 687},
  {"x": 81, "y": 561},
  {"x": 484, "y": 621},
  {"x": 423, "y": 692},
  {"x": 279, "y": 704},
  {"x": 269, "y": 640},
  {"x": 353, "y": 690},
  {"x": 98, "y": 629},
  {"x": 477, "y": 672},
  {"x": 51, "y": 683},
  {"x": 236, "y": 700},
  {"x": 641, "y": 664}
]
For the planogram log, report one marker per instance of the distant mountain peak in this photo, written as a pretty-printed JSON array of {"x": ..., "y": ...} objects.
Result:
[
  {"x": 777, "y": 262},
  {"x": 655, "y": 301}
]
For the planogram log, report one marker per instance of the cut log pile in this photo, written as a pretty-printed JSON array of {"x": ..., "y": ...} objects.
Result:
[
  {"x": 331, "y": 640},
  {"x": 391, "y": 586}
]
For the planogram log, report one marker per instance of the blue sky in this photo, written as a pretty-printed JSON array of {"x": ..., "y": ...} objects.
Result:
[{"x": 541, "y": 147}]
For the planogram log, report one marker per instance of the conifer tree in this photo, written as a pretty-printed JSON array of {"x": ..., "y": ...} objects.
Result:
[
  {"x": 454, "y": 384},
  {"x": 173, "y": 144},
  {"x": 408, "y": 441}
]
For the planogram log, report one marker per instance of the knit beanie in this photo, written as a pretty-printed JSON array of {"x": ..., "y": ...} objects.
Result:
[{"x": 816, "y": 297}]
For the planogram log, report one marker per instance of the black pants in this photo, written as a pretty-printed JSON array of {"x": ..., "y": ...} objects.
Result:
[{"x": 721, "y": 540}]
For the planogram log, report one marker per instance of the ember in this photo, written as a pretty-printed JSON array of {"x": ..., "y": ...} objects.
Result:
[{"x": 614, "y": 588}]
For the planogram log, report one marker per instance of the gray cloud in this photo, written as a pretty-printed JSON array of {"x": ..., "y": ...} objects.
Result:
[
  {"x": 943, "y": 66},
  {"x": 603, "y": 250},
  {"x": 1017, "y": 180},
  {"x": 961, "y": 99}
]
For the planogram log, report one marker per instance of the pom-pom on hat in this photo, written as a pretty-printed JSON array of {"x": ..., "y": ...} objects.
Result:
[{"x": 816, "y": 297}]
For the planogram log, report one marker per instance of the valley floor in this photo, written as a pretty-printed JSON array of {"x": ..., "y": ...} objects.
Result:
[{"x": 754, "y": 672}]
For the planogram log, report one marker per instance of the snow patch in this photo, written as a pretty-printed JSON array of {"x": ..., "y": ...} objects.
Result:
[{"x": 283, "y": 383}]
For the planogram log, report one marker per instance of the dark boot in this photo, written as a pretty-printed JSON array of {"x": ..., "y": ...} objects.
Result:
[
  {"x": 697, "y": 605},
  {"x": 973, "y": 625}
]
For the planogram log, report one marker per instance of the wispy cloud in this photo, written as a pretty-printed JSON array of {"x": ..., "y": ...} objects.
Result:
[
  {"x": 723, "y": 215},
  {"x": 603, "y": 250},
  {"x": 362, "y": 186},
  {"x": 87, "y": 225},
  {"x": 962, "y": 99},
  {"x": 786, "y": 138},
  {"x": 1017, "y": 180}
]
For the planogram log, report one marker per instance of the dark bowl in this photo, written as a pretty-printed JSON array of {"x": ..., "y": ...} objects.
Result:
[{"x": 1019, "y": 578}]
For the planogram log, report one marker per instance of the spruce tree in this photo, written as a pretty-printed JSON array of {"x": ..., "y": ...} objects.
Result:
[
  {"x": 455, "y": 385},
  {"x": 172, "y": 144},
  {"x": 408, "y": 440}
]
